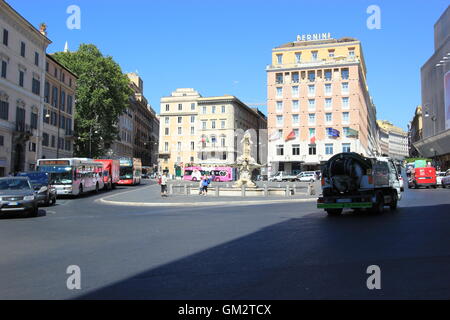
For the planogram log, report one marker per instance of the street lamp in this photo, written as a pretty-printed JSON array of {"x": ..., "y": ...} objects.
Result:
[{"x": 431, "y": 117}]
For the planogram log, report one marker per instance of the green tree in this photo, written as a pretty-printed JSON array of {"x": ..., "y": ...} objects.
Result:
[{"x": 102, "y": 95}]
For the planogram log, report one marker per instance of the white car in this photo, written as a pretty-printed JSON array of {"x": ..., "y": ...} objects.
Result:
[
  {"x": 446, "y": 180},
  {"x": 439, "y": 177},
  {"x": 307, "y": 177}
]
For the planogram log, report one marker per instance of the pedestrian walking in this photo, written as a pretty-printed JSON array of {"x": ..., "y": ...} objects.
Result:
[
  {"x": 163, "y": 182},
  {"x": 205, "y": 183}
]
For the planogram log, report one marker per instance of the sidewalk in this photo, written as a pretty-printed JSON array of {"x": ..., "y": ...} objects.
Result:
[{"x": 150, "y": 196}]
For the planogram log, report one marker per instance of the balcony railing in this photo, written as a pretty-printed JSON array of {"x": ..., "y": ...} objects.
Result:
[
  {"x": 318, "y": 63},
  {"x": 23, "y": 127}
]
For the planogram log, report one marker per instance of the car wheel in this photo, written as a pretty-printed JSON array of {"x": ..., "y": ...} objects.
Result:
[
  {"x": 34, "y": 212},
  {"x": 394, "y": 202},
  {"x": 53, "y": 201},
  {"x": 378, "y": 206},
  {"x": 80, "y": 190}
]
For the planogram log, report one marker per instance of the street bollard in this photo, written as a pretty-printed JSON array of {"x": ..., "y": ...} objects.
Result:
[
  {"x": 243, "y": 190},
  {"x": 294, "y": 189},
  {"x": 266, "y": 190},
  {"x": 311, "y": 189},
  {"x": 170, "y": 189},
  {"x": 217, "y": 191},
  {"x": 287, "y": 191},
  {"x": 185, "y": 190}
]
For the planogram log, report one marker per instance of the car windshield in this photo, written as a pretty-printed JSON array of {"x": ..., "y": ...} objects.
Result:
[
  {"x": 14, "y": 184},
  {"x": 61, "y": 177}
]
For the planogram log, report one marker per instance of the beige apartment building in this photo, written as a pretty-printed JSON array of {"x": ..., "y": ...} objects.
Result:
[
  {"x": 22, "y": 74},
  {"x": 59, "y": 111},
  {"x": 206, "y": 131},
  {"x": 318, "y": 103},
  {"x": 393, "y": 140}
]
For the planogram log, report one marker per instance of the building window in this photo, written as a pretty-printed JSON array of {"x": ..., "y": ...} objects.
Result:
[
  {"x": 345, "y": 117},
  {"x": 36, "y": 58},
  {"x": 224, "y": 155},
  {"x": 46, "y": 92},
  {"x": 167, "y": 107},
  {"x": 4, "y": 110},
  {"x": 295, "y": 119},
  {"x": 328, "y": 75},
  {"x": 312, "y": 149},
  {"x": 69, "y": 127},
  {"x": 279, "y": 58},
  {"x": 192, "y": 130},
  {"x": 312, "y": 118},
  {"x": 295, "y": 91},
  {"x": 279, "y": 78},
  {"x": 192, "y": 146},
  {"x": 351, "y": 52},
  {"x": 53, "y": 142},
  {"x": 344, "y": 74},
  {"x": 203, "y": 125},
  {"x": 224, "y": 109},
  {"x": 178, "y": 146},
  {"x": 328, "y": 90},
  {"x": 297, "y": 133},
  {"x": 345, "y": 87},
  {"x": 166, "y": 120},
  {"x": 279, "y": 92},
  {"x": 45, "y": 139},
  {"x": 328, "y": 103},
  {"x": 346, "y": 147},
  {"x": 22, "y": 49},
  {"x": 166, "y": 131},
  {"x": 298, "y": 57},
  {"x": 279, "y": 121},
  {"x": 311, "y": 76},
  {"x": 345, "y": 103},
  {"x": 180, "y": 131},
  {"x": 192, "y": 106},
  {"x": 279, "y": 106},
  {"x": 62, "y": 122},
  {"x": 69, "y": 104},
  {"x": 68, "y": 145},
  {"x": 34, "y": 120},
  {"x": 213, "y": 109},
  {"x": 222, "y": 124},
  {"x": 213, "y": 124},
  {"x": 4, "y": 69},
  {"x": 295, "y": 105},
  {"x": 32, "y": 147},
  {"x": 311, "y": 104},
  {"x": 2, "y": 141},
  {"x": 328, "y": 117},
  {"x": 180, "y": 120},
  {"x": 280, "y": 150},
  {"x": 345, "y": 131},
  {"x": 21, "y": 78},
  {"x": 192, "y": 119},
  {"x": 5, "y": 37},
  {"x": 295, "y": 77},
  {"x": 63, "y": 101},
  {"x": 329, "y": 149},
  {"x": 331, "y": 53},
  {"x": 314, "y": 55},
  {"x": 166, "y": 147},
  {"x": 311, "y": 90},
  {"x": 295, "y": 149},
  {"x": 223, "y": 142},
  {"x": 35, "y": 86},
  {"x": 180, "y": 107},
  {"x": 55, "y": 97}
]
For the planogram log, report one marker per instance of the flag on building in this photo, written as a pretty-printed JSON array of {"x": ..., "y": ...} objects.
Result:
[
  {"x": 312, "y": 140},
  {"x": 291, "y": 136},
  {"x": 333, "y": 133},
  {"x": 275, "y": 136},
  {"x": 352, "y": 133}
]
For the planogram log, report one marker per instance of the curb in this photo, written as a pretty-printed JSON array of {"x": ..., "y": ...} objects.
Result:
[{"x": 202, "y": 204}]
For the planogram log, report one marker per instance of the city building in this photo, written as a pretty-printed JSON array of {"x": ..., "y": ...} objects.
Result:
[
  {"x": 22, "y": 73},
  {"x": 206, "y": 131},
  {"x": 318, "y": 103},
  {"x": 138, "y": 128},
  {"x": 415, "y": 131},
  {"x": 393, "y": 140},
  {"x": 59, "y": 110},
  {"x": 435, "y": 78}
]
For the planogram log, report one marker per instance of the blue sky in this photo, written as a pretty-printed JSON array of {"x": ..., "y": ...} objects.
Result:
[{"x": 222, "y": 47}]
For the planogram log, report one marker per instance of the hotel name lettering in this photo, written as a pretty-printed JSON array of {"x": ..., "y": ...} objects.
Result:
[{"x": 315, "y": 36}]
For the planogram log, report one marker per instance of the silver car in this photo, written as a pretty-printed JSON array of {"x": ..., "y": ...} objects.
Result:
[{"x": 17, "y": 195}]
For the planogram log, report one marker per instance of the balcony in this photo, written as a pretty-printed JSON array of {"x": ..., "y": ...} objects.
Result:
[
  {"x": 22, "y": 127},
  {"x": 339, "y": 60}
]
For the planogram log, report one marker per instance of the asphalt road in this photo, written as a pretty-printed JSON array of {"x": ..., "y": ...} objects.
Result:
[{"x": 283, "y": 251}]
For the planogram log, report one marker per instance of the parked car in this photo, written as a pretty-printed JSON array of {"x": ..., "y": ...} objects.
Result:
[
  {"x": 446, "y": 179},
  {"x": 439, "y": 177},
  {"x": 282, "y": 176},
  {"x": 402, "y": 183},
  {"x": 17, "y": 195},
  {"x": 307, "y": 176},
  {"x": 44, "y": 190}
]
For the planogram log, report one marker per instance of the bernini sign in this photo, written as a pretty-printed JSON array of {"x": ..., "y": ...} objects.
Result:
[{"x": 315, "y": 36}]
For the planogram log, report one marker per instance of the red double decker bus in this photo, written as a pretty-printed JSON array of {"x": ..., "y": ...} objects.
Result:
[{"x": 130, "y": 171}]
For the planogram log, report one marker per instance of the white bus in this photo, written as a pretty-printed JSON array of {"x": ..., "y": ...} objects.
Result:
[{"x": 73, "y": 176}]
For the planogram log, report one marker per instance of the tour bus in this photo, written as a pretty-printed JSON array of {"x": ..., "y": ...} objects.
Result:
[
  {"x": 73, "y": 176},
  {"x": 218, "y": 174},
  {"x": 130, "y": 171},
  {"x": 111, "y": 172}
]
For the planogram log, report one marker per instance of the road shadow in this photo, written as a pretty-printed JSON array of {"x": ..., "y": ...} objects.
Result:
[
  {"x": 314, "y": 257},
  {"x": 20, "y": 215}
]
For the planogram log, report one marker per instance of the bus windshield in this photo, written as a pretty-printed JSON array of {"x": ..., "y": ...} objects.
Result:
[
  {"x": 59, "y": 175},
  {"x": 126, "y": 173}
]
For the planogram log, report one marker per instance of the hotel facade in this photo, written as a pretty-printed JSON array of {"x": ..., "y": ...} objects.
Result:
[
  {"x": 206, "y": 131},
  {"x": 318, "y": 104}
]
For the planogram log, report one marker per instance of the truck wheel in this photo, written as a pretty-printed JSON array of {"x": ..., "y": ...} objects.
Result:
[
  {"x": 394, "y": 201},
  {"x": 378, "y": 206},
  {"x": 334, "y": 212}
]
